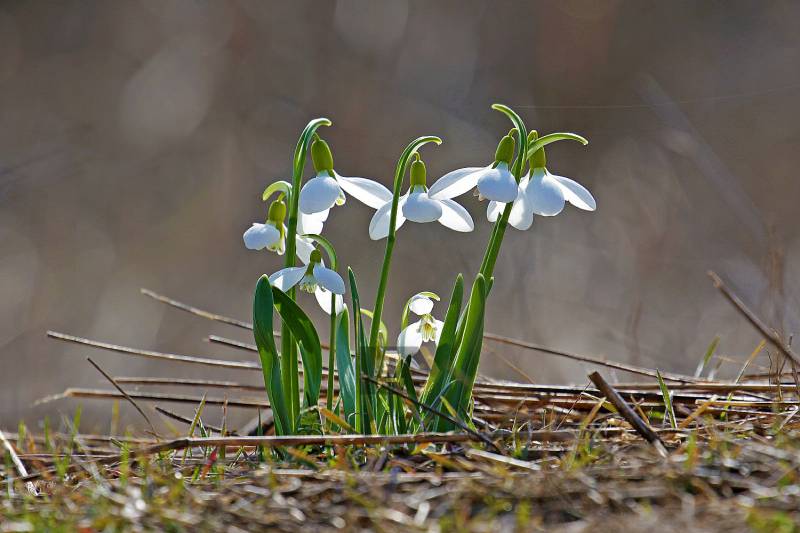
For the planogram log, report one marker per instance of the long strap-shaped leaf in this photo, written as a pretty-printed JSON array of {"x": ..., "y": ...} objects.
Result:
[
  {"x": 306, "y": 336},
  {"x": 344, "y": 365},
  {"x": 465, "y": 366},
  {"x": 268, "y": 353},
  {"x": 445, "y": 350}
]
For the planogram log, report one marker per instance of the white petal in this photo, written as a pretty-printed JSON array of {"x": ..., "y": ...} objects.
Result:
[
  {"x": 494, "y": 210},
  {"x": 438, "y": 324},
  {"x": 379, "y": 225},
  {"x": 455, "y": 183},
  {"x": 329, "y": 279},
  {"x": 455, "y": 216},
  {"x": 410, "y": 339},
  {"x": 304, "y": 247},
  {"x": 420, "y": 304},
  {"x": 311, "y": 223},
  {"x": 324, "y": 300},
  {"x": 318, "y": 194},
  {"x": 287, "y": 278},
  {"x": 259, "y": 236},
  {"x": 575, "y": 193},
  {"x": 544, "y": 194},
  {"x": 420, "y": 208},
  {"x": 521, "y": 216},
  {"x": 498, "y": 184},
  {"x": 366, "y": 191}
]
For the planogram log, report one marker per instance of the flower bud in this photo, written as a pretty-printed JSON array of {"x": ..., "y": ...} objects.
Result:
[
  {"x": 277, "y": 212},
  {"x": 418, "y": 173},
  {"x": 321, "y": 156},
  {"x": 505, "y": 150}
]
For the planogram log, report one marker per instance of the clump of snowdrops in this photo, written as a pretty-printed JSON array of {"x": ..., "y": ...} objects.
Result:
[{"x": 374, "y": 396}]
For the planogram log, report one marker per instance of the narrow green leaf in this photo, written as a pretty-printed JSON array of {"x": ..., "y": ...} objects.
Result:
[
  {"x": 344, "y": 365},
  {"x": 363, "y": 359},
  {"x": 667, "y": 400},
  {"x": 305, "y": 335},
  {"x": 465, "y": 367},
  {"x": 445, "y": 350},
  {"x": 268, "y": 353}
]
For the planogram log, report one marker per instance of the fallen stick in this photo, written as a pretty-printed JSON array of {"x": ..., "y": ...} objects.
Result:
[
  {"x": 628, "y": 413},
  {"x": 759, "y": 324}
]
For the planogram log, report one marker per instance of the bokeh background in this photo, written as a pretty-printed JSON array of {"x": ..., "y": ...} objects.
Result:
[{"x": 137, "y": 136}]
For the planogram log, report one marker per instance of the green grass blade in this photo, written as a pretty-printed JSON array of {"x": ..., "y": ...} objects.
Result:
[
  {"x": 667, "y": 400},
  {"x": 710, "y": 351},
  {"x": 268, "y": 353}
]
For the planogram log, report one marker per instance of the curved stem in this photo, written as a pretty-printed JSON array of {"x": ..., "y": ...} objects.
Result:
[
  {"x": 493, "y": 248},
  {"x": 541, "y": 142},
  {"x": 399, "y": 174},
  {"x": 289, "y": 370}
]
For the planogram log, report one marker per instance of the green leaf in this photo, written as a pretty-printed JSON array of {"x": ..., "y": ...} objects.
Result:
[
  {"x": 445, "y": 350},
  {"x": 307, "y": 339},
  {"x": 465, "y": 367},
  {"x": 667, "y": 400},
  {"x": 344, "y": 365},
  {"x": 362, "y": 361},
  {"x": 268, "y": 353},
  {"x": 280, "y": 187}
]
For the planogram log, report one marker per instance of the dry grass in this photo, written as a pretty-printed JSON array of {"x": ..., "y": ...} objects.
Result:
[{"x": 561, "y": 458}]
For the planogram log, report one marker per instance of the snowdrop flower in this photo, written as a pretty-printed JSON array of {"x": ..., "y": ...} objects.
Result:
[
  {"x": 272, "y": 234},
  {"x": 327, "y": 188},
  {"x": 417, "y": 205},
  {"x": 313, "y": 278},
  {"x": 495, "y": 182},
  {"x": 543, "y": 194},
  {"x": 426, "y": 329}
]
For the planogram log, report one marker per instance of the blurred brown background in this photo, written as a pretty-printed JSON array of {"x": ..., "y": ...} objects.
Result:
[{"x": 137, "y": 136}]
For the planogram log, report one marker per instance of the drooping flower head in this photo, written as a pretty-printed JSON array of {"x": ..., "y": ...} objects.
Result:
[
  {"x": 328, "y": 188},
  {"x": 426, "y": 329},
  {"x": 494, "y": 182},
  {"x": 272, "y": 234},
  {"x": 313, "y": 278},
  {"x": 542, "y": 193},
  {"x": 417, "y": 205}
]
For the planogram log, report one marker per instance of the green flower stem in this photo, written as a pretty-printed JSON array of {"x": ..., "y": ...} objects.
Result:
[
  {"x": 493, "y": 248},
  {"x": 399, "y": 174},
  {"x": 289, "y": 370}
]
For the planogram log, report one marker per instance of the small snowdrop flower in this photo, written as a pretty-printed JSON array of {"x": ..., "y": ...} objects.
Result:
[
  {"x": 417, "y": 205},
  {"x": 272, "y": 234},
  {"x": 494, "y": 182},
  {"x": 328, "y": 188},
  {"x": 426, "y": 329},
  {"x": 313, "y": 278},
  {"x": 543, "y": 194}
]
